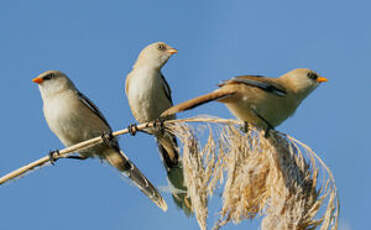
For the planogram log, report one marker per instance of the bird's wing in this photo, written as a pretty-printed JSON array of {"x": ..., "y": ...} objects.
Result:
[
  {"x": 166, "y": 88},
  {"x": 258, "y": 81},
  {"x": 93, "y": 108},
  {"x": 90, "y": 105}
]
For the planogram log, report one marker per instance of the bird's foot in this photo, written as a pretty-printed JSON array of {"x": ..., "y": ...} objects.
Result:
[
  {"x": 245, "y": 127},
  {"x": 267, "y": 131},
  {"x": 159, "y": 125},
  {"x": 133, "y": 128},
  {"x": 107, "y": 138},
  {"x": 52, "y": 158}
]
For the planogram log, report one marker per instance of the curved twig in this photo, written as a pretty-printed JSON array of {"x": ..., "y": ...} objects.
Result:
[{"x": 97, "y": 140}]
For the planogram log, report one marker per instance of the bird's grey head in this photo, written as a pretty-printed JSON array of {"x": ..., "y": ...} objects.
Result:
[
  {"x": 303, "y": 81},
  {"x": 53, "y": 82},
  {"x": 155, "y": 55}
]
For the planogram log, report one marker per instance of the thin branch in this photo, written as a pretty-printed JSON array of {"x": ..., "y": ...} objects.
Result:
[{"x": 97, "y": 140}]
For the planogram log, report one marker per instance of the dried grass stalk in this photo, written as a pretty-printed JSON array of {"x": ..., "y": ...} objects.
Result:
[
  {"x": 198, "y": 166},
  {"x": 277, "y": 177}
]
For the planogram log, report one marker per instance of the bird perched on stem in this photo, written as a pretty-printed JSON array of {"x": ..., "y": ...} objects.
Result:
[
  {"x": 73, "y": 118},
  {"x": 263, "y": 101},
  {"x": 149, "y": 95}
]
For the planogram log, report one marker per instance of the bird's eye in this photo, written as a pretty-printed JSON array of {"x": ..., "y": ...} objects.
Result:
[
  {"x": 161, "y": 46},
  {"x": 312, "y": 75},
  {"x": 49, "y": 76}
]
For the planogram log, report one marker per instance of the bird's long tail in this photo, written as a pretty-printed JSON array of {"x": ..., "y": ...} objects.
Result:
[
  {"x": 168, "y": 148},
  {"x": 178, "y": 189},
  {"x": 190, "y": 104},
  {"x": 120, "y": 161}
]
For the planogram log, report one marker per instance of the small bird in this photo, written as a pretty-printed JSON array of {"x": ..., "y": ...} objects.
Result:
[
  {"x": 263, "y": 101},
  {"x": 149, "y": 95},
  {"x": 73, "y": 118}
]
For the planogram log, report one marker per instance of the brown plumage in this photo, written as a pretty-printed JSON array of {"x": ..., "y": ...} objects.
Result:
[{"x": 262, "y": 101}]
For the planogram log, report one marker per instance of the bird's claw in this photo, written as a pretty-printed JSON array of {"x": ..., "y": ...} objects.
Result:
[
  {"x": 267, "y": 131},
  {"x": 52, "y": 158},
  {"x": 245, "y": 127},
  {"x": 159, "y": 124},
  {"x": 107, "y": 138},
  {"x": 133, "y": 129}
]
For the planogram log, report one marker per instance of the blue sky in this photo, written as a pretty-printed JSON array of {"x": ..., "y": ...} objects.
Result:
[{"x": 96, "y": 43}]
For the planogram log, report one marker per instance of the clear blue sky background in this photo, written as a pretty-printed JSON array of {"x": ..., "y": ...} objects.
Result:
[{"x": 96, "y": 43}]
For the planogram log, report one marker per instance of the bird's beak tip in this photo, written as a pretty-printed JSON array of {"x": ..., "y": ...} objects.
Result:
[
  {"x": 172, "y": 51},
  {"x": 322, "y": 79},
  {"x": 37, "y": 80}
]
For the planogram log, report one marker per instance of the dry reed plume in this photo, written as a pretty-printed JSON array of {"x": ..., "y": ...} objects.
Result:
[{"x": 277, "y": 177}]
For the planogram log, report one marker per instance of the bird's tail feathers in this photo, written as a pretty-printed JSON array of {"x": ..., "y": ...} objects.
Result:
[
  {"x": 178, "y": 189},
  {"x": 168, "y": 147},
  {"x": 120, "y": 161},
  {"x": 190, "y": 104}
]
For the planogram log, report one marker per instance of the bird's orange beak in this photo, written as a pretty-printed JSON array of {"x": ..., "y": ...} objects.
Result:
[
  {"x": 172, "y": 51},
  {"x": 38, "y": 80},
  {"x": 321, "y": 79}
]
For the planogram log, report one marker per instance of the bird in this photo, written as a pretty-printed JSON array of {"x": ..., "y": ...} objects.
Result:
[
  {"x": 149, "y": 95},
  {"x": 73, "y": 118},
  {"x": 263, "y": 101}
]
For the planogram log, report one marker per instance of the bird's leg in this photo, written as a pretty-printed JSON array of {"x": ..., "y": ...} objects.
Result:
[
  {"x": 79, "y": 157},
  {"x": 245, "y": 127},
  {"x": 159, "y": 125},
  {"x": 269, "y": 126},
  {"x": 107, "y": 138},
  {"x": 52, "y": 158}
]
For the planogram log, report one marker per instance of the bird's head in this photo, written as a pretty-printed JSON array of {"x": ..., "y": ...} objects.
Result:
[
  {"x": 52, "y": 82},
  {"x": 303, "y": 81},
  {"x": 155, "y": 55}
]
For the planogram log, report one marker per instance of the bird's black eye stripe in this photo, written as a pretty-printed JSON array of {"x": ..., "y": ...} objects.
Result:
[
  {"x": 161, "y": 46},
  {"x": 48, "y": 77},
  {"x": 312, "y": 75}
]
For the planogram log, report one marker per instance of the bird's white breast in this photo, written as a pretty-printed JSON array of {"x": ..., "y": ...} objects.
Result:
[
  {"x": 146, "y": 94},
  {"x": 63, "y": 118}
]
